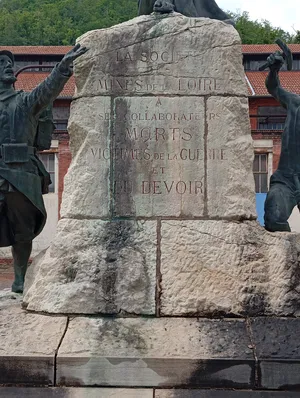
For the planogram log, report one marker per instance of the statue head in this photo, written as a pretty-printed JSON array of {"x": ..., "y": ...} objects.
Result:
[{"x": 7, "y": 62}]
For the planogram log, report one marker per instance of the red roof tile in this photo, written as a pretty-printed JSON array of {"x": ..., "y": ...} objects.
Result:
[
  {"x": 289, "y": 80},
  {"x": 27, "y": 81},
  {"x": 266, "y": 48},
  {"x": 37, "y": 50}
]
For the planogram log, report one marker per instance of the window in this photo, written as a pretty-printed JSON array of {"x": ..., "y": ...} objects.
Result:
[
  {"x": 260, "y": 171},
  {"x": 271, "y": 117},
  {"x": 49, "y": 162},
  {"x": 61, "y": 115},
  {"x": 61, "y": 125},
  {"x": 296, "y": 64},
  {"x": 254, "y": 62},
  {"x": 251, "y": 65}
]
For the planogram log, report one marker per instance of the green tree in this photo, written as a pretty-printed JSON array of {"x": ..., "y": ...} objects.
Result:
[
  {"x": 60, "y": 22},
  {"x": 258, "y": 32},
  {"x": 297, "y": 37}
]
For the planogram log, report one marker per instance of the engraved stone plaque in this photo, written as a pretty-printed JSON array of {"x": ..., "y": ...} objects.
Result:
[{"x": 158, "y": 156}]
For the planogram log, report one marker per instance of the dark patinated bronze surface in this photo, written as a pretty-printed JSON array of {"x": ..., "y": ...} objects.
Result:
[
  {"x": 284, "y": 193},
  {"x": 23, "y": 178},
  {"x": 189, "y": 8}
]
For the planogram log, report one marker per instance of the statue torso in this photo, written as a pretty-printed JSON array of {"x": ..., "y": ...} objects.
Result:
[{"x": 290, "y": 144}]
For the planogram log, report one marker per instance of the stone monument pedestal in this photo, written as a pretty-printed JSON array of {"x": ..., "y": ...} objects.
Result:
[
  {"x": 158, "y": 214},
  {"x": 158, "y": 229}
]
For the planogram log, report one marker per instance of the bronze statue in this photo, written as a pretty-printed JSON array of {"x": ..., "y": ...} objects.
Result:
[
  {"x": 189, "y": 8},
  {"x": 284, "y": 193},
  {"x": 23, "y": 178}
]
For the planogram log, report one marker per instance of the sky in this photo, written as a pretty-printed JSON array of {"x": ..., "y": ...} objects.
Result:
[{"x": 284, "y": 14}]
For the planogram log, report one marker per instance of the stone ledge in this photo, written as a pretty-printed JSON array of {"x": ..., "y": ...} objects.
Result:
[
  {"x": 12, "y": 392},
  {"x": 223, "y": 394},
  {"x": 137, "y": 352},
  {"x": 278, "y": 352},
  {"x": 149, "y": 352},
  {"x": 28, "y": 344}
]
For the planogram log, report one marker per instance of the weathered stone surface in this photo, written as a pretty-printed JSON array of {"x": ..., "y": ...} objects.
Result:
[
  {"x": 230, "y": 268},
  {"x": 280, "y": 375},
  {"x": 275, "y": 338},
  {"x": 28, "y": 346},
  {"x": 278, "y": 352},
  {"x": 9, "y": 299},
  {"x": 155, "y": 352},
  {"x": 161, "y": 179},
  {"x": 160, "y": 54},
  {"x": 230, "y": 158},
  {"x": 95, "y": 266},
  {"x": 86, "y": 189},
  {"x": 10, "y": 392},
  {"x": 159, "y": 130},
  {"x": 161, "y": 149},
  {"x": 223, "y": 394}
]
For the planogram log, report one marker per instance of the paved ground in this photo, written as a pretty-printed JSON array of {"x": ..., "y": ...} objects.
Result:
[
  {"x": 6, "y": 276},
  {"x": 133, "y": 393}
]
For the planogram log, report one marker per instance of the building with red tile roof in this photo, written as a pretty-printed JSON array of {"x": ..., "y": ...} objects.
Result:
[
  {"x": 27, "y": 81},
  {"x": 37, "y": 50},
  {"x": 267, "y": 48},
  {"x": 290, "y": 80}
]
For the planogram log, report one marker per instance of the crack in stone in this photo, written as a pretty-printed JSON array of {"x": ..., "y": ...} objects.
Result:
[{"x": 173, "y": 33}]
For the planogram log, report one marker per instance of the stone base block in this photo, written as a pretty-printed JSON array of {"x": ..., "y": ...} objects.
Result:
[
  {"x": 28, "y": 346},
  {"x": 155, "y": 353},
  {"x": 278, "y": 351},
  {"x": 223, "y": 394},
  {"x": 148, "y": 353},
  {"x": 211, "y": 268},
  {"x": 94, "y": 267},
  {"x": 9, "y": 392}
]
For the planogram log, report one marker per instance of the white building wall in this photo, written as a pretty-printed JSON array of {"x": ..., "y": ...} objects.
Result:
[{"x": 294, "y": 220}]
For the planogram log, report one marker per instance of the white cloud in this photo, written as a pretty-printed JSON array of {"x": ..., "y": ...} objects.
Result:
[{"x": 283, "y": 14}]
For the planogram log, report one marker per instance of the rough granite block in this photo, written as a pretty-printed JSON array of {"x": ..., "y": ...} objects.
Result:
[
  {"x": 278, "y": 352},
  {"x": 156, "y": 352},
  {"x": 12, "y": 392},
  {"x": 214, "y": 268},
  {"x": 96, "y": 266},
  {"x": 223, "y": 394},
  {"x": 28, "y": 346}
]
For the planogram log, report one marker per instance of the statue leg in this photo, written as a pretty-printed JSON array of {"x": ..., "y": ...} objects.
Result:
[
  {"x": 164, "y": 6},
  {"x": 22, "y": 216},
  {"x": 21, "y": 253},
  {"x": 279, "y": 205},
  {"x": 146, "y": 7}
]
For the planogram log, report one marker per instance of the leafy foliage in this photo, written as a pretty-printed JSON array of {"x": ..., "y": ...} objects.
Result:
[
  {"x": 258, "y": 32},
  {"x": 60, "y": 22}
]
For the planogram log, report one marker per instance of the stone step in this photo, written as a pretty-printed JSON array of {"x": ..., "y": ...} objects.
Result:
[
  {"x": 21, "y": 392},
  {"x": 39, "y": 350}
]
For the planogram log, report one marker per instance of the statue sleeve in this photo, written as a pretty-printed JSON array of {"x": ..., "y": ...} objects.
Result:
[
  {"x": 46, "y": 92},
  {"x": 277, "y": 91}
]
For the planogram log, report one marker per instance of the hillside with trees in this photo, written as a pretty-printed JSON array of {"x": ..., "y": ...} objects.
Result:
[{"x": 60, "y": 22}]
